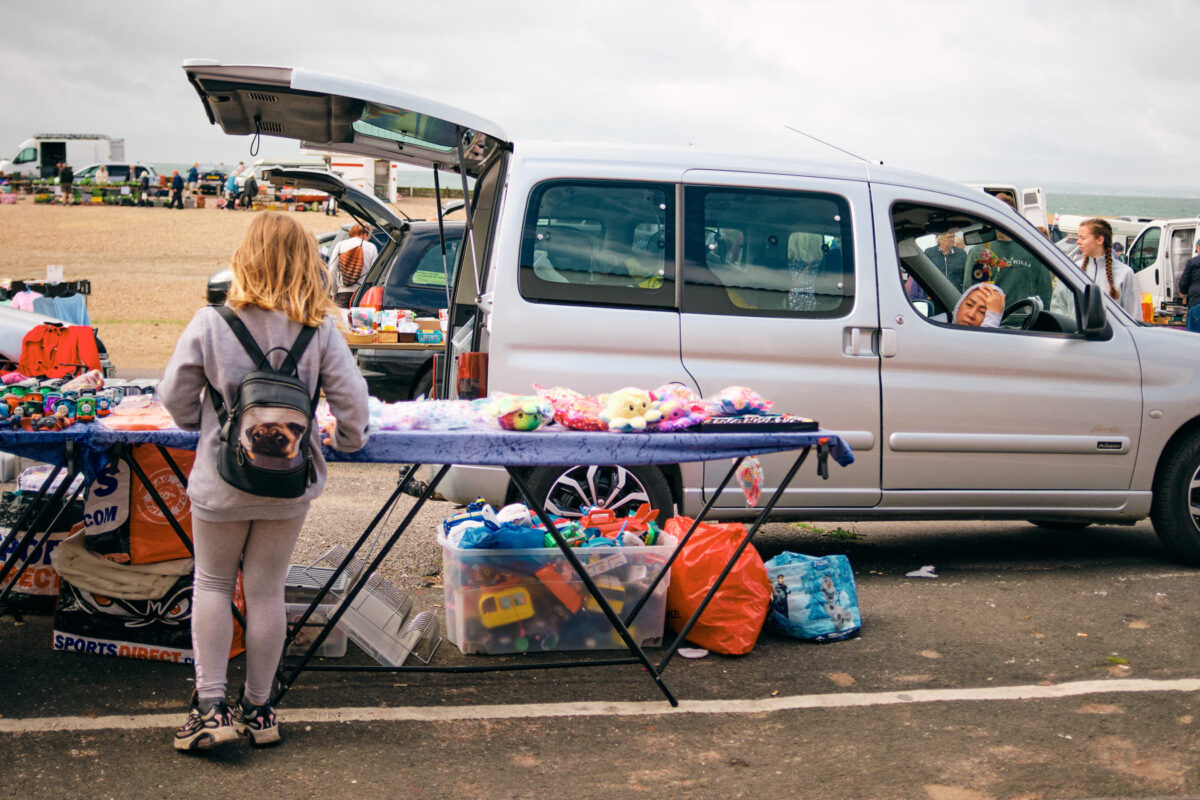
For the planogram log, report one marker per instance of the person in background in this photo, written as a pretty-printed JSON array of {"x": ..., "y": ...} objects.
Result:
[
  {"x": 1118, "y": 251},
  {"x": 66, "y": 181},
  {"x": 249, "y": 191},
  {"x": 278, "y": 289},
  {"x": 231, "y": 187},
  {"x": 144, "y": 189},
  {"x": 330, "y": 206},
  {"x": 102, "y": 174},
  {"x": 1007, "y": 263},
  {"x": 176, "y": 190},
  {"x": 349, "y": 260},
  {"x": 193, "y": 177},
  {"x": 951, "y": 260},
  {"x": 1113, "y": 276},
  {"x": 1189, "y": 289}
]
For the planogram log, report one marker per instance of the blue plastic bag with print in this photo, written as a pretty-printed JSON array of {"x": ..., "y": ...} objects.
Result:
[{"x": 813, "y": 597}]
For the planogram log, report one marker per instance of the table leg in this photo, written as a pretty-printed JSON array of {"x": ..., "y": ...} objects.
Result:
[
  {"x": 39, "y": 527},
  {"x": 634, "y": 648},
  {"x": 360, "y": 582},
  {"x": 758, "y": 523}
]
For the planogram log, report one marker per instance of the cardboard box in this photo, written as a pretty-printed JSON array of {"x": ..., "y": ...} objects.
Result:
[
  {"x": 387, "y": 337},
  {"x": 510, "y": 601},
  {"x": 428, "y": 324}
]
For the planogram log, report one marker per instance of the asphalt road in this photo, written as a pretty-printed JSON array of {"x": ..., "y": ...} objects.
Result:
[{"x": 1037, "y": 664}]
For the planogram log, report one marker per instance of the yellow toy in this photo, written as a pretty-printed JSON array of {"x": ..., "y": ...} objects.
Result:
[
  {"x": 629, "y": 409},
  {"x": 504, "y": 605}
]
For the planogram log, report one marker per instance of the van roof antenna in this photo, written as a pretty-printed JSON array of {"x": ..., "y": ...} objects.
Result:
[{"x": 827, "y": 144}]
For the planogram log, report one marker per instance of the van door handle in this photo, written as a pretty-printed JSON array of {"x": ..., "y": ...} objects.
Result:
[
  {"x": 858, "y": 341},
  {"x": 888, "y": 343}
]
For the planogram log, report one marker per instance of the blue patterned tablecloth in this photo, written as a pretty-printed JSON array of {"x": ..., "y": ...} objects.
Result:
[{"x": 481, "y": 446}]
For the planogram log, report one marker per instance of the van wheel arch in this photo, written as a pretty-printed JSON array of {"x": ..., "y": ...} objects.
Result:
[
  {"x": 1177, "y": 526},
  {"x": 659, "y": 484}
]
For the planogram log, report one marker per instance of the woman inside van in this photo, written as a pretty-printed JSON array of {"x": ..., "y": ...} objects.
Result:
[{"x": 1112, "y": 276}]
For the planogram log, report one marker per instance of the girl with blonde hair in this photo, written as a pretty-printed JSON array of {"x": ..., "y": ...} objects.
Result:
[
  {"x": 1114, "y": 277},
  {"x": 278, "y": 292}
]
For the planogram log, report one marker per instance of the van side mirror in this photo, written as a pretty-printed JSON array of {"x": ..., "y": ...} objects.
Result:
[{"x": 1093, "y": 316}]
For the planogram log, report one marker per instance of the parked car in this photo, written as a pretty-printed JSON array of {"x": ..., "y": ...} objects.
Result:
[
  {"x": 212, "y": 179},
  {"x": 600, "y": 267},
  {"x": 118, "y": 172},
  {"x": 410, "y": 270}
]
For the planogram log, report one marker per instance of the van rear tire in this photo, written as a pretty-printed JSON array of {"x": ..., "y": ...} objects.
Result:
[
  {"x": 1175, "y": 509},
  {"x": 571, "y": 491}
]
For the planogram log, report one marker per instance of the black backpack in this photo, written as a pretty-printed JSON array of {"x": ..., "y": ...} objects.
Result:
[{"x": 266, "y": 446}]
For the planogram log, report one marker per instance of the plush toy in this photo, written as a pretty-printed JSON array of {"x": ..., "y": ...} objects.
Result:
[
  {"x": 678, "y": 415},
  {"x": 630, "y": 409},
  {"x": 733, "y": 401},
  {"x": 521, "y": 412}
]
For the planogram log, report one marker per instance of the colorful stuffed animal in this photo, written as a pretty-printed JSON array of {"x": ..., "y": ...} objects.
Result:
[
  {"x": 678, "y": 415},
  {"x": 521, "y": 413},
  {"x": 630, "y": 409}
]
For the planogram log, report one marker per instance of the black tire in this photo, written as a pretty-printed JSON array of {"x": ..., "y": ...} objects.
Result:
[
  {"x": 1175, "y": 510},
  {"x": 1060, "y": 524},
  {"x": 423, "y": 385},
  {"x": 570, "y": 491}
]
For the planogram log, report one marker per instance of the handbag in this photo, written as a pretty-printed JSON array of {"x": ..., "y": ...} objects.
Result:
[{"x": 813, "y": 597}]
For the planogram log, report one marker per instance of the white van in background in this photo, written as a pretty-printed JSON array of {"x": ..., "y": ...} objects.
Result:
[
  {"x": 1157, "y": 258},
  {"x": 597, "y": 267},
  {"x": 1031, "y": 202},
  {"x": 37, "y": 157}
]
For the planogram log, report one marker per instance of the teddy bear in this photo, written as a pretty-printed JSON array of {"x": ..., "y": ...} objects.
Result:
[{"x": 630, "y": 409}]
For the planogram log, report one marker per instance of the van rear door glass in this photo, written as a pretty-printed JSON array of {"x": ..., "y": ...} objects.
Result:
[
  {"x": 1145, "y": 250},
  {"x": 600, "y": 243},
  {"x": 770, "y": 253}
]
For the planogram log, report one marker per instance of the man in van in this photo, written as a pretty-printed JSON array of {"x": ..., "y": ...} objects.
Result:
[
  {"x": 1189, "y": 288},
  {"x": 949, "y": 259}
]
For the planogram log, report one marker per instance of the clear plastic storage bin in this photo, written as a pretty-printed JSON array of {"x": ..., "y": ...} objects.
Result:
[{"x": 512, "y": 601}]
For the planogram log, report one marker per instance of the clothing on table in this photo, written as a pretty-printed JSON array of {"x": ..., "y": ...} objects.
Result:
[
  {"x": 24, "y": 299},
  {"x": 951, "y": 264},
  {"x": 208, "y": 351},
  {"x": 44, "y": 306},
  {"x": 1023, "y": 276},
  {"x": 52, "y": 351},
  {"x": 1123, "y": 276},
  {"x": 72, "y": 308}
]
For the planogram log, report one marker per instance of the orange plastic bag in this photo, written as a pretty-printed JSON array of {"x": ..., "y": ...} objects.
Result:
[{"x": 732, "y": 621}]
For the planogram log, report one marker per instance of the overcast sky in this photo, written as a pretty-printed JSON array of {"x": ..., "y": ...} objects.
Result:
[{"x": 1056, "y": 93}]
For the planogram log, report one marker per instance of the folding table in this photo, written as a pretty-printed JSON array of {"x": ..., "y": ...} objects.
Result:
[{"x": 84, "y": 449}]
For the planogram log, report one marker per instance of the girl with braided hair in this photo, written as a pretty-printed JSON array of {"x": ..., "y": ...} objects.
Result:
[{"x": 1114, "y": 277}]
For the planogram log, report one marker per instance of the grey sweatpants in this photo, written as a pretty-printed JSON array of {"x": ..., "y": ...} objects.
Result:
[{"x": 263, "y": 547}]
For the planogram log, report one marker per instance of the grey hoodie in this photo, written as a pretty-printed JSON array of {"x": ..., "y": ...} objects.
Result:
[{"x": 209, "y": 349}]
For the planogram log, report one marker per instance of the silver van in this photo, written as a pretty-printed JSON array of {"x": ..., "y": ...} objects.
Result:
[{"x": 824, "y": 286}]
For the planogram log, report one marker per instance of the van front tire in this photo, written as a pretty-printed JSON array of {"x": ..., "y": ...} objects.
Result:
[
  {"x": 572, "y": 491},
  {"x": 1175, "y": 509}
]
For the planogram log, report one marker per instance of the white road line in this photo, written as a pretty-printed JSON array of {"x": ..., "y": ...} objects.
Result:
[{"x": 655, "y": 708}]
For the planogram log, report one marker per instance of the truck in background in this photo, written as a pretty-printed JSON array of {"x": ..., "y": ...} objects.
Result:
[
  {"x": 1157, "y": 258},
  {"x": 1031, "y": 202},
  {"x": 37, "y": 157}
]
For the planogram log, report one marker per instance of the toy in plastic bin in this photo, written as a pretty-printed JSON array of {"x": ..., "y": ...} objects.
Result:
[
  {"x": 504, "y": 604},
  {"x": 630, "y": 409},
  {"x": 737, "y": 400}
]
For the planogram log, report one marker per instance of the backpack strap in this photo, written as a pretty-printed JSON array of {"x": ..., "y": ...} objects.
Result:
[{"x": 243, "y": 335}]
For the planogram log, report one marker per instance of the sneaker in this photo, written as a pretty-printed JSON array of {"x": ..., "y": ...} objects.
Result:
[
  {"x": 204, "y": 730},
  {"x": 257, "y": 722}
]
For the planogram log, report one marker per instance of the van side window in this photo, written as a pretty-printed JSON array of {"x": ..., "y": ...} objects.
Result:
[
  {"x": 770, "y": 253},
  {"x": 600, "y": 243},
  {"x": 967, "y": 271},
  {"x": 25, "y": 156},
  {"x": 1145, "y": 250}
]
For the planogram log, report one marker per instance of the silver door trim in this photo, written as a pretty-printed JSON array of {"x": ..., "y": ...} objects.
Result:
[{"x": 1007, "y": 443}]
